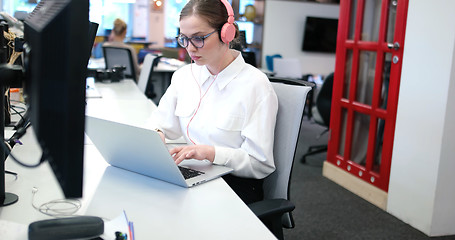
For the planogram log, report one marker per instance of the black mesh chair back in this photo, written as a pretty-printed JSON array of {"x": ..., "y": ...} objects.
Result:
[
  {"x": 117, "y": 56},
  {"x": 324, "y": 99}
]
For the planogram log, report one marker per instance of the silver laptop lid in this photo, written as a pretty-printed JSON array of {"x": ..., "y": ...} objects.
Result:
[
  {"x": 132, "y": 148},
  {"x": 142, "y": 151}
]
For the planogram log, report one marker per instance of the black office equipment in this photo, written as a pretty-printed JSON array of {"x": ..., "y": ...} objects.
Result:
[
  {"x": 57, "y": 52},
  {"x": 80, "y": 227},
  {"x": 249, "y": 57},
  {"x": 320, "y": 35},
  {"x": 92, "y": 29}
]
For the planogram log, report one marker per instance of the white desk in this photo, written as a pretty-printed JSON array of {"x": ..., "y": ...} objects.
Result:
[
  {"x": 158, "y": 209},
  {"x": 161, "y": 75}
]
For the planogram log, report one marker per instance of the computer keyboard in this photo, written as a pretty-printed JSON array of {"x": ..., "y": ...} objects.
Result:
[{"x": 189, "y": 173}]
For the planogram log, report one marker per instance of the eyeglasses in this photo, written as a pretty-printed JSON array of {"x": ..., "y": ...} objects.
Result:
[{"x": 197, "y": 41}]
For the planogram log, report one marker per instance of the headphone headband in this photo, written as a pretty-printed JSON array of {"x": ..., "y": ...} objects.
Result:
[
  {"x": 228, "y": 30},
  {"x": 229, "y": 11}
]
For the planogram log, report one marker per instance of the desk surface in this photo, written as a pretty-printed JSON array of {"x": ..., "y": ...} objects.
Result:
[{"x": 158, "y": 209}]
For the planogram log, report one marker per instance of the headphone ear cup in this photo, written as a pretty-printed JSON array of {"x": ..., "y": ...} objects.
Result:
[{"x": 228, "y": 32}]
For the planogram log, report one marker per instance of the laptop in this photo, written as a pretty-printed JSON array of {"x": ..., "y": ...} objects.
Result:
[{"x": 142, "y": 151}]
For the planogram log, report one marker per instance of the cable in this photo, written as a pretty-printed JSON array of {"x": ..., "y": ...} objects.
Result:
[
  {"x": 201, "y": 97},
  {"x": 11, "y": 173},
  {"x": 57, "y": 208},
  {"x": 199, "y": 104},
  {"x": 13, "y": 107},
  {"x": 7, "y": 148},
  {"x": 20, "y": 131}
]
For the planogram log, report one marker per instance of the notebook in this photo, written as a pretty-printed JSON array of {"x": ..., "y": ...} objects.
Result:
[{"x": 142, "y": 151}]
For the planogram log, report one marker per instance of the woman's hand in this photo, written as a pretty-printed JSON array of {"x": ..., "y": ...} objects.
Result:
[
  {"x": 162, "y": 136},
  {"x": 199, "y": 152}
]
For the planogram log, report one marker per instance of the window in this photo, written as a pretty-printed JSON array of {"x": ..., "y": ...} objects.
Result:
[
  {"x": 104, "y": 12},
  {"x": 12, "y": 6},
  {"x": 172, "y": 15}
]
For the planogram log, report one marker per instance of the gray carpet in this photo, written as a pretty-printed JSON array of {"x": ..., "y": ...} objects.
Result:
[{"x": 325, "y": 210}]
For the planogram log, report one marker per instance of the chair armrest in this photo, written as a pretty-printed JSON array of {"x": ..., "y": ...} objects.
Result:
[
  {"x": 271, "y": 207},
  {"x": 291, "y": 81}
]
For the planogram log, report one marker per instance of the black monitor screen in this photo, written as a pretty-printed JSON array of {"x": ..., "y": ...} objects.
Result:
[
  {"x": 320, "y": 35},
  {"x": 56, "y": 33}
]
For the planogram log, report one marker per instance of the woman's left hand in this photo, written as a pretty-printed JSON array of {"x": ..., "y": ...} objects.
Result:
[{"x": 199, "y": 152}]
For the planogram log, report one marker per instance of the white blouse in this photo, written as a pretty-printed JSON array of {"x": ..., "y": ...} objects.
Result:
[{"x": 236, "y": 115}]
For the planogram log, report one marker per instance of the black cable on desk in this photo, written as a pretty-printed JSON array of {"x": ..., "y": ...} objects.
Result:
[
  {"x": 20, "y": 131},
  {"x": 23, "y": 109},
  {"x": 24, "y": 118},
  {"x": 11, "y": 173},
  {"x": 7, "y": 148}
]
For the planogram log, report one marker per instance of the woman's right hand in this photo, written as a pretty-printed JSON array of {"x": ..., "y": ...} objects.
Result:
[{"x": 162, "y": 136}]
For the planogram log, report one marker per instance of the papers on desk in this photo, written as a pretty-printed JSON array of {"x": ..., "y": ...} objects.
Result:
[
  {"x": 90, "y": 89},
  {"x": 96, "y": 63},
  {"x": 118, "y": 224}
]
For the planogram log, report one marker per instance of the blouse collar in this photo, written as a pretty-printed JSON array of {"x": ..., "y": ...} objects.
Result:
[{"x": 228, "y": 73}]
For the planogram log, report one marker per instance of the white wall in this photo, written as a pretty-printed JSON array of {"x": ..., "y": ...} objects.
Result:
[
  {"x": 156, "y": 26},
  {"x": 283, "y": 33},
  {"x": 421, "y": 189}
]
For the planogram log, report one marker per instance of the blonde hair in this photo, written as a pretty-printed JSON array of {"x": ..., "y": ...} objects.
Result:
[{"x": 119, "y": 27}]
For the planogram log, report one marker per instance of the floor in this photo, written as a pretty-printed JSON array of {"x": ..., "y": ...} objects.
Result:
[{"x": 325, "y": 210}]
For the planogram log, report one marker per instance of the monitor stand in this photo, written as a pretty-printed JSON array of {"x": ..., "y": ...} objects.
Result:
[
  {"x": 9, "y": 73},
  {"x": 6, "y": 198}
]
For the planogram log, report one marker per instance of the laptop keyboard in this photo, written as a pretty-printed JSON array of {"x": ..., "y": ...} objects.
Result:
[{"x": 189, "y": 173}]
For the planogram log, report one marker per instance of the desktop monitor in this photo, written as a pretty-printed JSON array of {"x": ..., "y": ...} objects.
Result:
[{"x": 56, "y": 33}]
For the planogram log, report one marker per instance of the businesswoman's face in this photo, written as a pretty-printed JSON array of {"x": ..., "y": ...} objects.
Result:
[{"x": 202, "y": 41}]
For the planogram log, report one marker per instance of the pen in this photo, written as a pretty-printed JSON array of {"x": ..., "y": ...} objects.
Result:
[
  {"x": 130, "y": 226},
  {"x": 132, "y": 230},
  {"x": 126, "y": 217}
]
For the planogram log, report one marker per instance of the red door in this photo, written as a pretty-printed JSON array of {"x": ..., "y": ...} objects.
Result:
[{"x": 366, "y": 84}]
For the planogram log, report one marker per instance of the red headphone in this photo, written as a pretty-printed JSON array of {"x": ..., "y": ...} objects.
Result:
[{"x": 228, "y": 30}]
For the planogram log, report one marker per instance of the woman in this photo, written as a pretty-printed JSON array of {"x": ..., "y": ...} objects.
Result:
[{"x": 224, "y": 108}]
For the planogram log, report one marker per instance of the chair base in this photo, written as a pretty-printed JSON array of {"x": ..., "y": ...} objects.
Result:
[{"x": 313, "y": 150}]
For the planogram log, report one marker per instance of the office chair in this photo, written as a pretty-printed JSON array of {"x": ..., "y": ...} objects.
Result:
[
  {"x": 275, "y": 210},
  {"x": 321, "y": 114},
  {"x": 145, "y": 82},
  {"x": 119, "y": 56}
]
